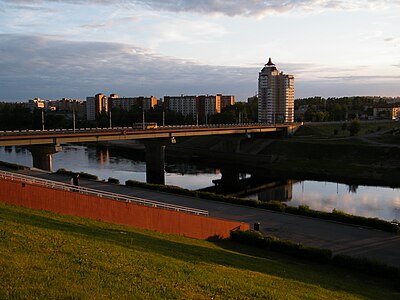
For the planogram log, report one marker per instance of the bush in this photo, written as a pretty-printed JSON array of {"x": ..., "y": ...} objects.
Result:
[
  {"x": 88, "y": 176},
  {"x": 11, "y": 166},
  {"x": 335, "y": 131},
  {"x": 113, "y": 180},
  {"x": 64, "y": 172},
  {"x": 255, "y": 238},
  {"x": 81, "y": 174},
  {"x": 366, "y": 266},
  {"x": 354, "y": 127}
]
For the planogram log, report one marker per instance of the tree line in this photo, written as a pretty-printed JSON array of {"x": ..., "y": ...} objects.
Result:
[
  {"x": 16, "y": 116},
  {"x": 320, "y": 109}
]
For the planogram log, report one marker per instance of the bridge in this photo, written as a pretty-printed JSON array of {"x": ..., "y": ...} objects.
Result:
[{"x": 44, "y": 143}]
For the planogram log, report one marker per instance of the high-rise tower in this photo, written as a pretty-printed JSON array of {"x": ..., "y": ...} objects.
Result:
[{"x": 275, "y": 95}]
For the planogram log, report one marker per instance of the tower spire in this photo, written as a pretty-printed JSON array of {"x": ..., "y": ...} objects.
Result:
[{"x": 270, "y": 63}]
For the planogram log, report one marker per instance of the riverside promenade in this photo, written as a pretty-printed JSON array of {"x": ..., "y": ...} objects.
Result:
[{"x": 340, "y": 238}]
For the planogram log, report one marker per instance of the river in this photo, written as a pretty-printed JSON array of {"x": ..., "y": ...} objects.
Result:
[{"x": 369, "y": 201}]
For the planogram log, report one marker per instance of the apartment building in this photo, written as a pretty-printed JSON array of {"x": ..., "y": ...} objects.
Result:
[
  {"x": 96, "y": 105},
  {"x": 186, "y": 105},
  {"x": 275, "y": 95},
  {"x": 128, "y": 103}
]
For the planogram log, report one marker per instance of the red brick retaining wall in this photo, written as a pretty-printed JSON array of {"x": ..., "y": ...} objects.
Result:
[{"x": 76, "y": 204}]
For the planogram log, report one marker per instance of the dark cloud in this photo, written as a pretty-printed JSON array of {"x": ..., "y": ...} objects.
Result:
[
  {"x": 50, "y": 68},
  {"x": 229, "y": 8},
  {"x": 47, "y": 67}
]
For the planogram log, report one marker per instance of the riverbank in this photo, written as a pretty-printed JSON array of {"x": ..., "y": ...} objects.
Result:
[
  {"x": 46, "y": 255},
  {"x": 313, "y": 232},
  {"x": 350, "y": 160}
]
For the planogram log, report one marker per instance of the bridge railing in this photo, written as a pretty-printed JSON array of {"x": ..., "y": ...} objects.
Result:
[
  {"x": 97, "y": 193},
  {"x": 129, "y": 129}
]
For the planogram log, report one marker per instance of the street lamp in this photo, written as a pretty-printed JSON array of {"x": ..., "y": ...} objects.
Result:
[
  {"x": 42, "y": 119},
  {"x": 143, "y": 118},
  {"x": 73, "y": 119}
]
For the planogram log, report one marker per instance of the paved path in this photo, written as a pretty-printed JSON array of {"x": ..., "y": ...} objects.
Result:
[{"x": 340, "y": 238}]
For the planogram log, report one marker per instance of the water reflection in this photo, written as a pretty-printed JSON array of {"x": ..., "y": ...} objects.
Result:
[
  {"x": 125, "y": 164},
  {"x": 380, "y": 202},
  {"x": 281, "y": 192}
]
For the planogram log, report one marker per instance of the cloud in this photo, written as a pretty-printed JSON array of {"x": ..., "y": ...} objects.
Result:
[
  {"x": 247, "y": 8},
  {"x": 111, "y": 22},
  {"x": 365, "y": 78},
  {"x": 45, "y": 66},
  {"x": 51, "y": 68}
]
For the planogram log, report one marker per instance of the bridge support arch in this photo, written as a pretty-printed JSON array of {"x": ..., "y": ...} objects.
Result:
[{"x": 43, "y": 155}]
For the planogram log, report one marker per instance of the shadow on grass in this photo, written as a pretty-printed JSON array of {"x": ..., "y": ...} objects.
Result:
[{"x": 228, "y": 254}]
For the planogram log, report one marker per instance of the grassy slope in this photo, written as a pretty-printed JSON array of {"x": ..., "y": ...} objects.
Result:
[{"x": 45, "y": 255}]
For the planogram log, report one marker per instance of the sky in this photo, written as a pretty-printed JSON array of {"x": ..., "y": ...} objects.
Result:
[{"x": 58, "y": 48}]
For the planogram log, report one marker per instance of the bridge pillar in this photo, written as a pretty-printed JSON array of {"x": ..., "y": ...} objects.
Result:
[
  {"x": 230, "y": 177},
  {"x": 43, "y": 155},
  {"x": 155, "y": 160}
]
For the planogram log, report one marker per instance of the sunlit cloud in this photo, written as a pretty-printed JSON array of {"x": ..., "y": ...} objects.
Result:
[{"x": 246, "y": 8}]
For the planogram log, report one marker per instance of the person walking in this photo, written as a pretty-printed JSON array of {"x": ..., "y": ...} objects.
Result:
[{"x": 75, "y": 179}]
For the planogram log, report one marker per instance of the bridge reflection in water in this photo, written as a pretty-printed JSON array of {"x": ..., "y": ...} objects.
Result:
[{"x": 243, "y": 185}]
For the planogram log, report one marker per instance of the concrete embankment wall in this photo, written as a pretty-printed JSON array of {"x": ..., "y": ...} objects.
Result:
[{"x": 76, "y": 204}]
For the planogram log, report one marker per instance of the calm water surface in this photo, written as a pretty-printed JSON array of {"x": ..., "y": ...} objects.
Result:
[{"x": 380, "y": 202}]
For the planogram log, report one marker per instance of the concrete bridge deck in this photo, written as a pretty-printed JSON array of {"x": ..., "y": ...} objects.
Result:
[
  {"x": 340, "y": 238},
  {"x": 60, "y": 136}
]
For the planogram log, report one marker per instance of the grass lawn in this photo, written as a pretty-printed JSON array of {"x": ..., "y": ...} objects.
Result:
[
  {"x": 321, "y": 130},
  {"x": 45, "y": 255}
]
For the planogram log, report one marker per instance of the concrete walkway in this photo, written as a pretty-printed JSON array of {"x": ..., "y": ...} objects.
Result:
[{"x": 340, "y": 238}]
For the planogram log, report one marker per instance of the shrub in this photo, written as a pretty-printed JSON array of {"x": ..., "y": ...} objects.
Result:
[
  {"x": 88, "y": 176},
  {"x": 255, "y": 238},
  {"x": 64, "y": 172},
  {"x": 363, "y": 265},
  {"x": 354, "y": 127},
  {"x": 81, "y": 174},
  {"x": 11, "y": 166},
  {"x": 366, "y": 266},
  {"x": 113, "y": 180}
]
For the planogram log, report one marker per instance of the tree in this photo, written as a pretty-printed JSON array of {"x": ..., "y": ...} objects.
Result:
[
  {"x": 354, "y": 127},
  {"x": 344, "y": 127}
]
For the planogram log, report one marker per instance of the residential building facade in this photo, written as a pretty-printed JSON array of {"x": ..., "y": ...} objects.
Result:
[
  {"x": 227, "y": 100},
  {"x": 101, "y": 103},
  {"x": 201, "y": 106},
  {"x": 208, "y": 105},
  {"x": 386, "y": 111},
  {"x": 275, "y": 95},
  {"x": 128, "y": 103},
  {"x": 186, "y": 105},
  {"x": 36, "y": 103},
  {"x": 96, "y": 105}
]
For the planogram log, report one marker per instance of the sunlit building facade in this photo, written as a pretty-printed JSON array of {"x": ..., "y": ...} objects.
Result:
[
  {"x": 130, "y": 103},
  {"x": 184, "y": 104},
  {"x": 96, "y": 105},
  {"x": 275, "y": 95}
]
